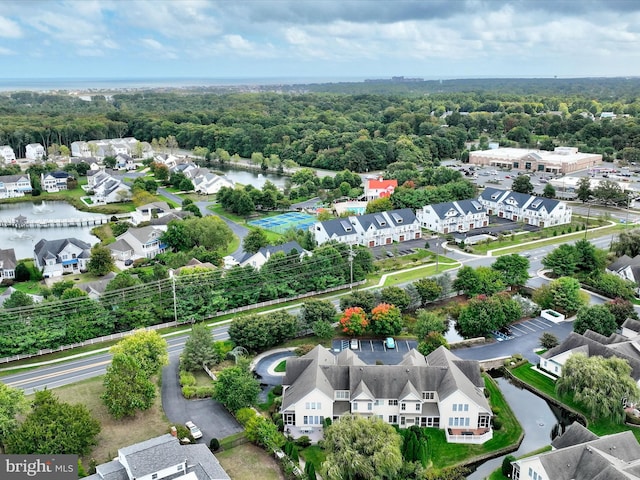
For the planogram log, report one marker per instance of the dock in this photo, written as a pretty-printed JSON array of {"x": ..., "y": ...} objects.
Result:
[{"x": 22, "y": 222}]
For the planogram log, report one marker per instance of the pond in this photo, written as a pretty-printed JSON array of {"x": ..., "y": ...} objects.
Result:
[
  {"x": 245, "y": 177},
  {"x": 23, "y": 240},
  {"x": 537, "y": 417}
]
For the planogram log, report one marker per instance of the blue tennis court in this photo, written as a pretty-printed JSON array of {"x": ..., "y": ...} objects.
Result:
[{"x": 282, "y": 223}]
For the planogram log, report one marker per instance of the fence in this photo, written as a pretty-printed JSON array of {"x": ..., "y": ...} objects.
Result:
[{"x": 118, "y": 336}]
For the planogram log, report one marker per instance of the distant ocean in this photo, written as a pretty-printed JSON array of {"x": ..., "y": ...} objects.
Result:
[{"x": 84, "y": 84}]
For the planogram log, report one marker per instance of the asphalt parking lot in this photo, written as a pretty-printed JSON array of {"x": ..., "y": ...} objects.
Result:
[
  {"x": 535, "y": 325},
  {"x": 372, "y": 351}
]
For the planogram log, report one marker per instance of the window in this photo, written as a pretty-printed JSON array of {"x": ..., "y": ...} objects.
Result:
[
  {"x": 180, "y": 467},
  {"x": 342, "y": 395},
  {"x": 369, "y": 406},
  {"x": 418, "y": 407},
  {"x": 403, "y": 406},
  {"x": 393, "y": 419},
  {"x": 466, "y": 407},
  {"x": 355, "y": 406},
  {"x": 154, "y": 476},
  {"x": 428, "y": 395},
  {"x": 451, "y": 421},
  {"x": 455, "y": 407},
  {"x": 393, "y": 402},
  {"x": 530, "y": 472}
]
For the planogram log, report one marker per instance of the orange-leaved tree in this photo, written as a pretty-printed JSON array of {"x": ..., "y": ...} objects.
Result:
[{"x": 354, "y": 321}]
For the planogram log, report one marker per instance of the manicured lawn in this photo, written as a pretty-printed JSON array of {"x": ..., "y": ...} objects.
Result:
[
  {"x": 315, "y": 455},
  {"x": 248, "y": 462},
  {"x": 115, "y": 433},
  {"x": 444, "y": 454},
  {"x": 420, "y": 272},
  {"x": 216, "y": 208},
  {"x": 281, "y": 367}
]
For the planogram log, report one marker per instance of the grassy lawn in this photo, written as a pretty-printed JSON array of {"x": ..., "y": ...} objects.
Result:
[
  {"x": 281, "y": 367},
  {"x": 248, "y": 462},
  {"x": 550, "y": 241},
  {"x": 202, "y": 379},
  {"x": 546, "y": 385},
  {"x": 444, "y": 454},
  {"x": 217, "y": 209},
  {"x": 115, "y": 433},
  {"x": 315, "y": 455},
  {"x": 421, "y": 272}
]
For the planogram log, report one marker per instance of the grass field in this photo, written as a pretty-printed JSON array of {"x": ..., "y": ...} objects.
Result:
[
  {"x": 248, "y": 462},
  {"x": 315, "y": 455},
  {"x": 115, "y": 433}
]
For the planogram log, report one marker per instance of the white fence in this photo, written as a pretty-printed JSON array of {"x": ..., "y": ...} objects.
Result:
[{"x": 118, "y": 336}]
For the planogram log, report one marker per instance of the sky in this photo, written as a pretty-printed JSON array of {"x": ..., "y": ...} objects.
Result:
[{"x": 318, "y": 39}]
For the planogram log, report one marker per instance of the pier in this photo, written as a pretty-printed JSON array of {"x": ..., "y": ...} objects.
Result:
[{"x": 23, "y": 222}]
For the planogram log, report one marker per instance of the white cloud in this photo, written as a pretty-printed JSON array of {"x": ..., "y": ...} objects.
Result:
[
  {"x": 156, "y": 46},
  {"x": 6, "y": 51},
  {"x": 9, "y": 28}
]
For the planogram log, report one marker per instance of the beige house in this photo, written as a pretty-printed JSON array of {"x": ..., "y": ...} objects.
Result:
[{"x": 562, "y": 160}]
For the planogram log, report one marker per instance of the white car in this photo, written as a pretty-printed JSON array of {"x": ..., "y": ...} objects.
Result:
[
  {"x": 195, "y": 431},
  {"x": 353, "y": 344}
]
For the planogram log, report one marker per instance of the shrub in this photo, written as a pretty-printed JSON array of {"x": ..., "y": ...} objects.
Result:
[
  {"x": 277, "y": 390},
  {"x": 303, "y": 442},
  {"x": 497, "y": 423},
  {"x": 506, "y": 465},
  {"x": 304, "y": 349},
  {"x": 326, "y": 422},
  {"x": 214, "y": 445},
  {"x": 187, "y": 379},
  {"x": 244, "y": 415}
]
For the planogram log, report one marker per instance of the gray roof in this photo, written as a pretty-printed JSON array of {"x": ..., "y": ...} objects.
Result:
[
  {"x": 460, "y": 208},
  {"x": 623, "y": 262},
  {"x": 608, "y": 458},
  {"x": 153, "y": 455},
  {"x": 573, "y": 435},
  {"x": 13, "y": 178},
  {"x": 8, "y": 259},
  {"x": 51, "y": 248},
  {"x": 632, "y": 324},
  {"x": 120, "y": 245},
  {"x": 269, "y": 250},
  {"x": 143, "y": 234},
  {"x": 522, "y": 200},
  {"x": 172, "y": 215},
  {"x": 587, "y": 344},
  {"x": 442, "y": 371}
]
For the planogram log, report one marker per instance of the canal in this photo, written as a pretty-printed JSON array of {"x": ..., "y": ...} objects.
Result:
[{"x": 537, "y": 418}]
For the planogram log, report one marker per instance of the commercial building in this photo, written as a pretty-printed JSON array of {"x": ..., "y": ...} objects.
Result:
[{"x": 562, "y": 160}]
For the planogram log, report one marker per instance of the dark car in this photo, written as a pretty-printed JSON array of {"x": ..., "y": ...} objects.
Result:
[{"x": 128, "y": 262}]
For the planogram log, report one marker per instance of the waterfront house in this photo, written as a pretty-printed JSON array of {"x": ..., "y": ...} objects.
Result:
[
  {"x": 145, "y": 213},
  {"x": 143, "y": 242},
  {"x": 8, "y": 264},
  {"x": 57, "y": 257},
  {"x": 14, "y": 185},
  {"x": 55, "y": 181},
  {"x": 439, "y": 390},
  {"x": 159, "y": 458}
]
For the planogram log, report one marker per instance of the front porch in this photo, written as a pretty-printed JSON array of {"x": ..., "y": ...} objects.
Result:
[{"x": 465, "y": 435}]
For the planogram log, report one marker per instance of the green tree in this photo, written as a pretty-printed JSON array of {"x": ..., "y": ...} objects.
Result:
[
  {"x": 364, "y": 299},
  {"x": 386, "y": 320},
  {"x": 428, "y": 289},
  {"x": 628, "y": 243},
  {"x": 466, "y": 281},
  {"x": 548, "y": 340},
  {"x": 363, "y": 448},
  {"x": 199, "y": 349},
  {"x": 427, "y": 322},
  {"x": 583, "y": 190},
  {"x": 54, "y": 427},
  {"x": 127, "y": 388},
  {"x": 12, "y": 403},
  {"x": 621, "y": 309},
  {"x": 522, "y": 184},
  {"x": 121, "y": 280},
  {"x": 597, "y": 318},
  {"x": 589, "y": 259},
  {"x": 549, "y": 191},
  {"x": 395, "y": 296},
  {"x": 562, "y": 261},
  {"x": 236, "y": 388},
  {"x": 599, "y": 384},
  {"x": 259, "y": 332},
  {"x": 255, "y": 240},
  {"x": 315, "y": 310},
  {"x": 324, "y": 330},
  {"x": 379, "y": 205},
  {"x": 18, "y": 299},
  {"x": 432, "y": 342},
  {"x": 22, "y": 272},
  {"x": 101, "y": 261},
  {"x": 513, "y": 268},
  {"x": 565, "y": 295},
  {"x": 481, "y": 316},
  {"x": 148, "y": 347}
]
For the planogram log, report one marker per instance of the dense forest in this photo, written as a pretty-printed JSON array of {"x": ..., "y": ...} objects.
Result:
[{"x": 345, "y": 126}]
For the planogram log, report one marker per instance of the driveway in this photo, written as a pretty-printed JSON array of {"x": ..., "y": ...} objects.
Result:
[{"x": 212, "y": 418}]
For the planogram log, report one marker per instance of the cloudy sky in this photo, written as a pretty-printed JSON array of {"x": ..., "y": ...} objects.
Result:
[{"x": 319, "y": 38}]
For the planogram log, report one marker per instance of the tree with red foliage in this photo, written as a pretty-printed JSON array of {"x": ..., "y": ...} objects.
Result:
[{"x": 354, "y": 321}]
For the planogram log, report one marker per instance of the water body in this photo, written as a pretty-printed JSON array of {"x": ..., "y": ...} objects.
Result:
[
  {"x": 535, "y": 415},
  {"x": 246, "y": 177},
  {"x": 23, "y": 240}
]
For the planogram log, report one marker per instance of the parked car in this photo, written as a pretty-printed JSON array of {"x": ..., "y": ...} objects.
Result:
[
  {"x": 353, "y": 344},
  {"x": 389, "y": 342},
  {"x": 195, "y": 431},
  {"x": 128, "y": 262}
]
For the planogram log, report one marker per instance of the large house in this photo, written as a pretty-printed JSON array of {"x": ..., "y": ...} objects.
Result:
[
  {"x": 579, "y": 454},
  {"x": 439, "y": 390},
  {"x": 627, "y": 268},
  {"x": 143, "y": 242},
  {"x": 377, "y": 187},
  {"x": 14, "y": 185},
  {"x": 593, "y": 344},
  {"x": 112, "y": 147},
  {"x": 8, "y": 264},
  {"x": 145, "y": 213},
  {"x": 372, "y": 229},
  {"x": 105, "y": 188},
  {"x": 80, "y": 149},
  {"x": 54, "y": 181},
  {"x": 258, "y": 259},
  {"x": 7, "y": 153},
  {"x": 56, "y": 257},
  {"x": 522, "y": 207},
  {"x": 162, "y": 457},
  {"x": 562, "y": 160},
  {"x": 210, "y": 183},
  {"x": 34, "y": 151},
  {"x": 450, "y": 217}
]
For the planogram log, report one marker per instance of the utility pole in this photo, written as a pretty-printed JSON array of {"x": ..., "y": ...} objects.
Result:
[
  {"x": 173, "y": 288},
  {"x": 351, "y": 256}
]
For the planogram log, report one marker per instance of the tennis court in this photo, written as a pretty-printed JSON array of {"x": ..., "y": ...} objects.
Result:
[{"x": 284, "y": 222}]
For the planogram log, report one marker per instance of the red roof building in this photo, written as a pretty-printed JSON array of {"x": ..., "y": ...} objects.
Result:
[{"x": 378, "y": 188}]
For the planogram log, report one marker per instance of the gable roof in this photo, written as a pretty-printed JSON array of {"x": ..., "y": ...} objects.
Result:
[
  {"x": 623, "y": 262},
  {"x": 8, "y": 259},
  {"x": 51, "y": 248},
  {"x": 632, "y": 324},
  {"x": 573, "y": 435},
  {"x": 380, "y": 184}
]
